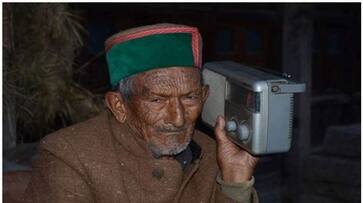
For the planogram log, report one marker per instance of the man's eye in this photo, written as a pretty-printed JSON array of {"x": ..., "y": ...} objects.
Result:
[
  {"x": 191, "y": 97},
  {"x": 156, "y": 100}
]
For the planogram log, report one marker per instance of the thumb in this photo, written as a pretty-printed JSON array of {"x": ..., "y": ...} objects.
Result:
[{"x": 219, "y": 130}]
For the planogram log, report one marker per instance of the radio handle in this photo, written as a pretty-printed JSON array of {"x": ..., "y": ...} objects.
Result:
[{"x": 288, "y": 88}]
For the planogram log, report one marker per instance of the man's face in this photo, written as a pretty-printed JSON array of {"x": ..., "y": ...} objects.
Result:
[{"x": 165, "y": 106}]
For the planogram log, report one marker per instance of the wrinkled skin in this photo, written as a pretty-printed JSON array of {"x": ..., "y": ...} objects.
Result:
[
  {"x": 236, "y": 164},
  {"x": 164, "y": 109}
]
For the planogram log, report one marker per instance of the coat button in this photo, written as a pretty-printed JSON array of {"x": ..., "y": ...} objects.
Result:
[{"x": 158, "y": 173}]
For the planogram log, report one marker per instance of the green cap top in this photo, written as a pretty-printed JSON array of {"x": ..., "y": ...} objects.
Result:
[{"x": 156, "y": 46}]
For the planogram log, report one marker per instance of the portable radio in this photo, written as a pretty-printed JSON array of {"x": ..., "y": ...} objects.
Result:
[{"x": 257, "y": 105}]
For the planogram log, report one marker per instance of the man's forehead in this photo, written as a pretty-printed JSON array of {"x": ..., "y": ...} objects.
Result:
[
  {"x": 170, "y": 78},
  {"x": 172, "y": 74}
]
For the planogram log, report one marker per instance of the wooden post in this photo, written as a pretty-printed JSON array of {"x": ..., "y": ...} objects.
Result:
[
  {"x": 9, "y": 114},
  {"x": 297, "y": 61}
]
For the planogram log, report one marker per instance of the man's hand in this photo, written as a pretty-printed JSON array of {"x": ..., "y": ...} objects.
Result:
[{"x": 236, "y": 164}]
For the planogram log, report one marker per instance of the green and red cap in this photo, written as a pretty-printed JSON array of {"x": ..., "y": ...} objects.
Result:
[{"x": 149, "y": 47}]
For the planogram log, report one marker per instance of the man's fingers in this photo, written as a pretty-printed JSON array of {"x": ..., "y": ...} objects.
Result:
[{"x": 220, "y": 131}]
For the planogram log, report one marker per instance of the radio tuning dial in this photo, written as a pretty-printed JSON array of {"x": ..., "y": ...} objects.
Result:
[
  {"x": 241, "y": 130},
  {"x": 231, "y": 126}
]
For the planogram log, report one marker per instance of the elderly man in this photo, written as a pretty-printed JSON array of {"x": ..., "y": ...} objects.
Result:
[{"x": 145, "y": 148}]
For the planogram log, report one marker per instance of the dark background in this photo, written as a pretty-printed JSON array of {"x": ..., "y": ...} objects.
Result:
[{"x": 319, "y": 44}]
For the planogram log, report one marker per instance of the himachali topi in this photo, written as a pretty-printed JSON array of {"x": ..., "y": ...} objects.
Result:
[{"x": 149, "y": 47}]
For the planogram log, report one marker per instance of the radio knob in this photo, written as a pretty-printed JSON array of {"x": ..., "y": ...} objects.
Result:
[
  {"x": 231, "y": 126},
  {"x": 243, "y": 132}
]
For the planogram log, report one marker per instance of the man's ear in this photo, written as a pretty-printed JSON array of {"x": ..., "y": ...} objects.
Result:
[
  {"x": 117, "y": 105},
  {"x": 205, "y": 90}
]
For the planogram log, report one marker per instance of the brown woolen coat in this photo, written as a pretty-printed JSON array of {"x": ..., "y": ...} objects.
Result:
[{"x": 101, "y": 160}]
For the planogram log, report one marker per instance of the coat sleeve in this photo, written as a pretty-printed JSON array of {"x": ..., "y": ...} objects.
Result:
[
  {"x": 57, "y": 177},
  {"x": 235, "y": 192}
]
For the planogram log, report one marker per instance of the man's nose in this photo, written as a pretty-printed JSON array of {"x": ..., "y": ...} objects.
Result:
[{"x": 175, "y": 113}]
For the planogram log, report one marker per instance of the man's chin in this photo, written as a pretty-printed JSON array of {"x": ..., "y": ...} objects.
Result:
[{"x": 159, "y": 151}]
